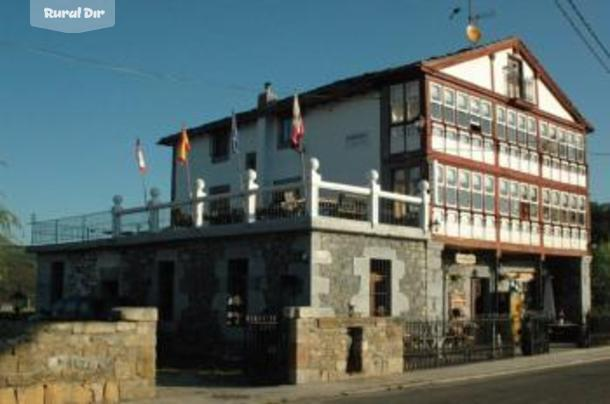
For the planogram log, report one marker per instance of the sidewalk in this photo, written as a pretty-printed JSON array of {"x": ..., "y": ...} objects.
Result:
[{"x": 314, "y": 392}]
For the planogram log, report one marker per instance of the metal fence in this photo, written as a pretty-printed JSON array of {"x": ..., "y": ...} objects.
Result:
[
  {"x": 429, "y": 344},
  {"x": 92, "y": 226}
]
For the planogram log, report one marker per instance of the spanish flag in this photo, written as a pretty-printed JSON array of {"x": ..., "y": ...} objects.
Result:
[{"x": 184, "y": 148}]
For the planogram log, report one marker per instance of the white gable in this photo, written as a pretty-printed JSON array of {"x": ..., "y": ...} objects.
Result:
[
  {"x": 478, "y": 71},
  {"x": 548, "y": 103}
]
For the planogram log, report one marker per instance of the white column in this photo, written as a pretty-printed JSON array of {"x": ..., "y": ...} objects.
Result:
[
  {"x": 424, "y": 215},
  {"x": 374, "y": 197},
  {"x": 116, "y": 215},
  {"x": 251, "y": 189},
  {"x": 153, "y": 211},
  {"x": 199, "y": 202},
  {"x": 313, "y": 185}
]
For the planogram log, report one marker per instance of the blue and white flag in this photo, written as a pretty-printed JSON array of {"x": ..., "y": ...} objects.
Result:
[{"x": 234, "y": 135}]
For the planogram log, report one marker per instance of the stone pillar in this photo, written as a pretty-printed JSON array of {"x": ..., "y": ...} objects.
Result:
[
  {"x": 424, "y": 216},
  {"x": 374, "y": 197},
  {"x": 434, "y": 281},
  {"x": 199, "y": 211},
  {"x": 153, "y": 211},
  {"x": 251, "y": 189},
  {"x": 116, "y": 215},
  {"x": 312, "y": 185}
]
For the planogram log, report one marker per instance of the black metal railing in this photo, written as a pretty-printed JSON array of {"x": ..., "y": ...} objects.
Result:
[{"x": 429, "y": 344}]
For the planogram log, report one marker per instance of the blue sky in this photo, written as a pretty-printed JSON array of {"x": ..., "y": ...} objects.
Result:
[{"x": 67, "y": 128}]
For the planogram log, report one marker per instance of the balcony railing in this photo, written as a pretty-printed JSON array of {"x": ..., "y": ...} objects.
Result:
[{"x": 313, "y": 197}]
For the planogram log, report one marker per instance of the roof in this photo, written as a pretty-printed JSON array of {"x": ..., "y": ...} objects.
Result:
[{"x": 373, "y": 80}]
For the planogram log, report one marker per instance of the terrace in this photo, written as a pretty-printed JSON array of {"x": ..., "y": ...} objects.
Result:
[{"x": 311, "y": 202}]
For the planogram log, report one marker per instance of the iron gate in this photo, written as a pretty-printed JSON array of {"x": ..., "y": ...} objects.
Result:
[{"x": 266, "y": 349}]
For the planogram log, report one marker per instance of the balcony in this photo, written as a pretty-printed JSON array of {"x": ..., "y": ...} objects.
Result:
[
  {"x": 308, "y": 202},
  {"x": 519, "y": 87}
]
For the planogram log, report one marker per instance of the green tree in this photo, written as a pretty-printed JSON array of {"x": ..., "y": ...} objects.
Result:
[
  {"x": 600, "y": 277},
  {"x": 17, "y": 269}
]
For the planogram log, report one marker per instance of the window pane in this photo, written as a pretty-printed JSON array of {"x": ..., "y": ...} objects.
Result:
[
  {"x": 397, "y": 103},
  {"x": 413, "y": 138},
  {"x": 413, "y": 104},
  {"x": 397, "y": 140}
]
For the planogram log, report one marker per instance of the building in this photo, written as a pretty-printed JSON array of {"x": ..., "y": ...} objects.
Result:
[{"x": 503, "y": 226}]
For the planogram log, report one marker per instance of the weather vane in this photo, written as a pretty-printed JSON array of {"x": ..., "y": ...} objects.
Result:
[{"x": 473, "y": 32}]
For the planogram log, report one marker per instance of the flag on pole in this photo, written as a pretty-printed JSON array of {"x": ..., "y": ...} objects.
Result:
[
  {"x": 140, "y": 159},
  {"x": 184, "y": 147},
  {"x": 298, "y": 128},
  {"x": 234, "y": 135}
]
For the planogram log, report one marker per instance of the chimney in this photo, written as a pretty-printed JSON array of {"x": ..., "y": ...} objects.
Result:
[{"x": 266, "y": 97}]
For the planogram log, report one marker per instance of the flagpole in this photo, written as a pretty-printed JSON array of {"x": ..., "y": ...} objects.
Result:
[{"x": 188, "y": 177}]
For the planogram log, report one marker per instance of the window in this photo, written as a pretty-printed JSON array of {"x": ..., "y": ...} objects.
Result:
[
  {"x": 413, "y": 103},
  {"x": 477, "y": 192},
  {"x": 486, "y": 118},
  {"x": 545, "y": 137},
  {"x": 532, "y": 142},
  {"x": 404, "y": 102},
  {"x": 555, "y": 210},
  {"x": 283, "y": 138},
  {"x": 501, "y": 123},
  {"x": 451, "y": 180},
  {"x": 237, "y": 292},
  {"x": 439, "y": 185},
  {"x": 563, "y": 144},
  {"x": 397, "y": 103},
  {"x": 511, "y": 124},
  {"x": 449, "y": 109},
  {"x": 436, "y": 101},
  {"x": 504, "y": 197},
  {"x": 380, "y": 288},
  {"x": 522, "y": 130},
  {"x": 463, "y": 110},
  {"x": 546, "y": 205},
  {"x": 165, "y": 290},
  {"x": 405, "y": 138},
  {"x": 571, "y": 146},
  {"x": 464, "y": 189},
  {"x": 580, "y": 148},
  {"x": 475, "y": 113},
  {"x": 515, "y": 199},
  {"x": 553, "y": 134},
  {"x": 220, "y": 147},
  {"x": 477, "y": 148},
  {"x": 438, "y": 138},
  {"x": 488, "y": 151},
  {"x": 251, "y": 161},
  {"x": 397, "y": 140},
  {"x": 524, "y": 204},
  {"x": 465, "y": 145},
  {"x": 451, "y": 143},
  {"x": 406, "y": 180},
  {"x": 489, "y": 194},
  {"x": 514, "y": 78},
  {"x": 413, "y": 140},
  {"x": 57, "y": 281}
]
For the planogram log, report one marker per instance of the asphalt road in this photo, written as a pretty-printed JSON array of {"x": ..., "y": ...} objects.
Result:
[{"x": 587, "y": 383}]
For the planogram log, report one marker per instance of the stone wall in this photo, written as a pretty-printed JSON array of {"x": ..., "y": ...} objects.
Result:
[
  {"x": 79, "y": 362},
  {"x": 322, "y": 351},
  {"x": 341, "y": 273}
]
